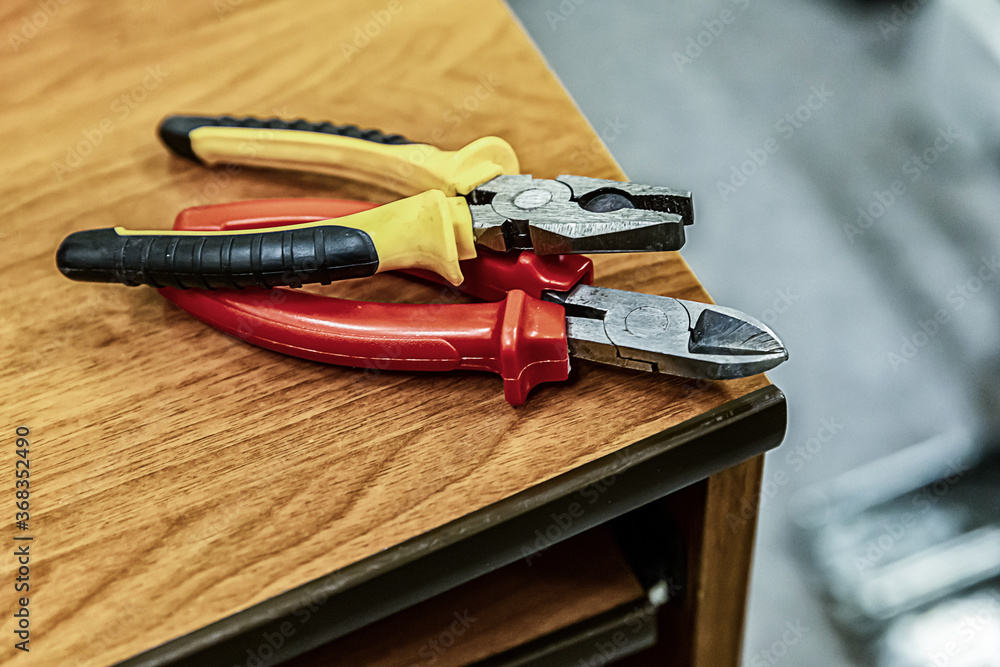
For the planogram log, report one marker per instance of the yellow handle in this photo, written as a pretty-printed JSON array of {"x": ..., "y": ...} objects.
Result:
[
  {"x": 428, "y": 231},
  {"x": 403, "y": 168}
]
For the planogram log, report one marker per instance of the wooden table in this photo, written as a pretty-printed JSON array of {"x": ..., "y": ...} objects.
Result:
[{"x": 181, "y": 479}]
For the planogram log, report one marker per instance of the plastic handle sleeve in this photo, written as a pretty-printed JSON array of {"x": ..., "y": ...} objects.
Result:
[
  {"x": 368, "y": 156},
  {"x": 521, "y": 338},
  {"x": 429, "y": 231}
]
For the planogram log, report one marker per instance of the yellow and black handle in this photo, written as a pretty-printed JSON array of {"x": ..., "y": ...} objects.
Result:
[
  {"x": 429, "y": 231},
  {"x": 368, "y": 156},
  {"x": 176, "y": 133}
]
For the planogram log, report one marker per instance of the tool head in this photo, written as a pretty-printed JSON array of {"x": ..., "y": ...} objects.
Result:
[
  {"x": 665, "y": 335},
  {"x": 576, "y": 214}
]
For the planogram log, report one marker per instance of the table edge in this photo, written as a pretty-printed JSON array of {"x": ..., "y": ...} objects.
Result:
[{"x": 489, "y": 538}]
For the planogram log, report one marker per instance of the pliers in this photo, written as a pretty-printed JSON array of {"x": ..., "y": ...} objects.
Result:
[
  {"x": 467, "y": 197},
  {"x": 541, "y": 309}
]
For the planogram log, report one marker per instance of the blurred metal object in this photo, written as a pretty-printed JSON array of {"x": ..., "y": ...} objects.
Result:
[
  {"x": 960, "y": 632},
  {"x": 905, "y": 532},
  {"x": 864, "y": 487},
  {"x": 952, "y": 565}
]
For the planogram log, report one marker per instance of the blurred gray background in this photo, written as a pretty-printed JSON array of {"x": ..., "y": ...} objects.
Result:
[{"x": 843, "y": 161}]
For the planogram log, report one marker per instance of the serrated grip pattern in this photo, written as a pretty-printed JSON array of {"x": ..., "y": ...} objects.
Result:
[
  {"x": 212, "y": 261},
  {"x": 175, "y": 130}
]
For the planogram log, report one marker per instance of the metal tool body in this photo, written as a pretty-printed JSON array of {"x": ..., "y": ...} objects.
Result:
[
  {"x": 576, "y": 214},
  {"x": 665, "y": 335}
]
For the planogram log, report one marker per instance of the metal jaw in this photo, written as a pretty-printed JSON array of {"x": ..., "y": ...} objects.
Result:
[
  {"x": 576, "y": 214},
  {"x": 665, "y": 335}
]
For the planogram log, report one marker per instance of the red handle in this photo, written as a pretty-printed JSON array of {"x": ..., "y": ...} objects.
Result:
[
  {"x": 521, "y": 337},
  {"x": 258, "y": 213}
]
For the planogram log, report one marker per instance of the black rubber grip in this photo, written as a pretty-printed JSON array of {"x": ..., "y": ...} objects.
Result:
[
  {"x": 265, "y": 259},
  {"x": 175, "y": 131}
]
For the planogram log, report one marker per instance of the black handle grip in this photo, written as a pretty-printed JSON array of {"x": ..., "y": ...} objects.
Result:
[
  {"x": 208, "y": 261},
  {"x": 175, "y": 130}
]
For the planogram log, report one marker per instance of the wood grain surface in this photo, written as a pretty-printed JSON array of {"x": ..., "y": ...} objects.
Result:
[{"x": 179, "y": 475}]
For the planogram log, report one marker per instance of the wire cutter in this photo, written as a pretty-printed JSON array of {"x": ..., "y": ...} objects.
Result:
[
  {"x": 467, "y": 197},
  {"x": 543, "y": 311}
]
